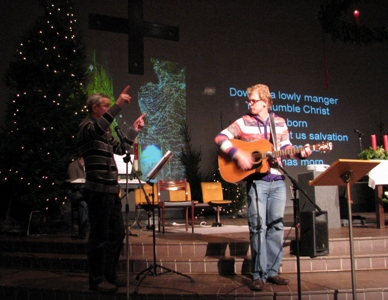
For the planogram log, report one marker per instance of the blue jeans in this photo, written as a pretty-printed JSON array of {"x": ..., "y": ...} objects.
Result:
[
  {"x": 266, "y": 204},
  {"x": 106, "y": 235}
]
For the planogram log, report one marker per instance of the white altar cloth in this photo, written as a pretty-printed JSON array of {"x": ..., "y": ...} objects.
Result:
[{"x": 379, "y": 174}]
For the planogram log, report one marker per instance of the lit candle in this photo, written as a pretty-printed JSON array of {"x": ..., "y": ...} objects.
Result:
[
  {"x": 356, "y": 15},
  {"x": 374, "y": 141},
  {"x": 386, "y": 142}
]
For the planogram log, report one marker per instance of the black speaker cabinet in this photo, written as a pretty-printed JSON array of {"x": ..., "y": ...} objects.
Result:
[
  {"x": 314, "y": 233},
  {"x": 325, "y": 197}
]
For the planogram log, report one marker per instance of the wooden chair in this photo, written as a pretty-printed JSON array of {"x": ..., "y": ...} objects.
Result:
[
  {"x": 141, "y": 201},
  {"x": 178, "y": 198},
  {"x": 212, "y": 195}
]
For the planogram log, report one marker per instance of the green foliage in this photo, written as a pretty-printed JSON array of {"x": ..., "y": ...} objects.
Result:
[
  {"x": 370, "y": 153},
  {"x": 45, "y": 106},
  {"x": 384, "y": 198},
  {"x": 100, "y": 82},
  {"x": 191, "y": 159}
]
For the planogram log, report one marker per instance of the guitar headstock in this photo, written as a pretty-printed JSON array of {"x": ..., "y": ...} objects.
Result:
[{"x": 324, "y": 147}]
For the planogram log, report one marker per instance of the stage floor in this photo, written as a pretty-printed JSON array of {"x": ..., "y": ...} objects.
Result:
[{"x": 45, "y": 284}]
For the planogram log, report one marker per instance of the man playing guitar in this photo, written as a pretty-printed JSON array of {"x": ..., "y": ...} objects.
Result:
[{"x": 266, "y": 191}]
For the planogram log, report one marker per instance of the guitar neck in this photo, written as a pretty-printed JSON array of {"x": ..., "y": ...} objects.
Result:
[{"x": 290, "y": 151}]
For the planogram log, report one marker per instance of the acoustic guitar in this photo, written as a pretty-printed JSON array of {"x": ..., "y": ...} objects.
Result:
[{"x": 259, "y": 150}]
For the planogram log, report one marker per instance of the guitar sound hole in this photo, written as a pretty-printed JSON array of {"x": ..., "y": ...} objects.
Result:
[{"x": 256, "y": 157}]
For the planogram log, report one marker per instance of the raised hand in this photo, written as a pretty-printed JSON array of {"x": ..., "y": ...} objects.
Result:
[
  {"x": 124, "y": 97},
  {"x": 139, "y": 123}
]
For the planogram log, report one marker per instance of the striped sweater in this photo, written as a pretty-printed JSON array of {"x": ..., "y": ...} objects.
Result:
[{"x": 97, "y": 145}]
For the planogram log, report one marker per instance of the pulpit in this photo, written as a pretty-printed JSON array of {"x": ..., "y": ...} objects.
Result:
[{"x": 346, "y": 172}]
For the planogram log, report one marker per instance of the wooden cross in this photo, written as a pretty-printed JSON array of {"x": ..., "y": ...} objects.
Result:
[{"x": 136, "y": 29}]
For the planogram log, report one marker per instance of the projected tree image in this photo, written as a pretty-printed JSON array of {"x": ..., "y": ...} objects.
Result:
[{"x": 165, "y": 104}]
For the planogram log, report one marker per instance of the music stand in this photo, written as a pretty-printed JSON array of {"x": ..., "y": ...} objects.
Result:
[
  {"x": 151, "y": 270},
  {"x": 344, "y": 172}
]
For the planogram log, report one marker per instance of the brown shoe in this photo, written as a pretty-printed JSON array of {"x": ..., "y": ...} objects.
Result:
[
  {"x": 278, "y": 280},
  {"x": 256, "y": 285}
]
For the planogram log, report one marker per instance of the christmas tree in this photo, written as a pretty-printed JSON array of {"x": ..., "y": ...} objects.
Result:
[
  {"x": 46, "y": 104},
  {"x": 191, "y": 159}
]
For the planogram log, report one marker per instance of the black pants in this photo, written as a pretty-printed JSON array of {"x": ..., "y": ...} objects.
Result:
[
  {"x": 77, "y": 200},
  {"x": 106, "y": 235}
]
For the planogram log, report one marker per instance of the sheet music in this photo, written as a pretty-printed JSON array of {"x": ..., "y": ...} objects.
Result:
[
  {"x": 121, "y": 165},
  {"x": 160, "y": 165},
  {"x": 122, "y": 182}
]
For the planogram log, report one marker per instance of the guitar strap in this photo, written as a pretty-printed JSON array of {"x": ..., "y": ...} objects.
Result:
[{"x": 273, "y": 131}]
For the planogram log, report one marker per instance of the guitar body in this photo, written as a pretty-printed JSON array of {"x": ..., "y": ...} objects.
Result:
[
  {"x": 229, "y": 170},
  {"x": 258, "y": 150}
]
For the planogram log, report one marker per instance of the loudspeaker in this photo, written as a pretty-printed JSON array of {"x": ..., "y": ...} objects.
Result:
[
  {"x": 325, "y": 197},
  {"x": 314, "y": 233}
]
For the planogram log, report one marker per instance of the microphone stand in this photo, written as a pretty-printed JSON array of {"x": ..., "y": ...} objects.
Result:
[
  {"x": 359, "y": 138},
  {"x": 126, "y": 159},
  {"x": 295, "y": 188},
  {"x": 128, "y": 233},
  {"x": 151, "y": 270}
]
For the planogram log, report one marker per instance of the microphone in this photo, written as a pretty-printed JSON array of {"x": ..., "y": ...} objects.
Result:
[
  {"x": 120, "y": 134},
  {"x": 358, "y": 132}
]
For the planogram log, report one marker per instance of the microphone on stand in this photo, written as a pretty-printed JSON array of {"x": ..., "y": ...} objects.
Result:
[
  {"x": 269, "y": 154},
  {"x": 358, "y": 132},
  {"x": 120, "y": 134},
  {"x": 359, "y": 137}
]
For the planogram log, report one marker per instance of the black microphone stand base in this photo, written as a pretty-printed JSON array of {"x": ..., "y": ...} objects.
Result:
[
  {"x": 151, "y": 271},
  {"x": 132, "y": 234}
]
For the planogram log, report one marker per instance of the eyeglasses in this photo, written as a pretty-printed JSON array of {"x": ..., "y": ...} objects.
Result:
[{"x": 253, "y": 101}]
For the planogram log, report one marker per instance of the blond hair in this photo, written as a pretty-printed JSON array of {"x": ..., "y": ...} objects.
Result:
[{"x": 263, "y": 91}]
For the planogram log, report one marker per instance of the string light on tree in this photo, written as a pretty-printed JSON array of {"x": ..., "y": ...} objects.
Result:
[{"x": 33, "y": 119}]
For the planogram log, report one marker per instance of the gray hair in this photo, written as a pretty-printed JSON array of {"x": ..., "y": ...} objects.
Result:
[{"x": 95, "y": 98}]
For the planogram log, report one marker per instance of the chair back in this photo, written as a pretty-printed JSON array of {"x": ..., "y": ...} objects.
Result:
[
  {"x": 180, "y": 195},
  {"x": 211, "y": 191},
  {"x": 140, "y": 197},
  {"x": 178, "y": 190}
]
